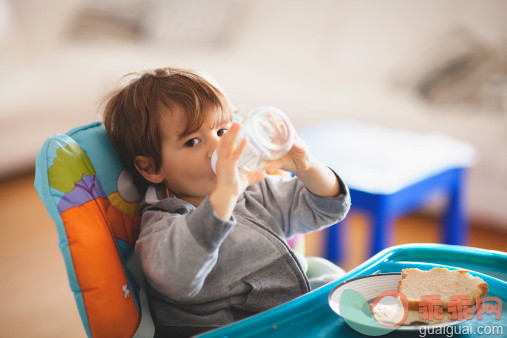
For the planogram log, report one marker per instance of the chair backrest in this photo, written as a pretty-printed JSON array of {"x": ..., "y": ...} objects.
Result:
[{"x": 93, "y": 203}]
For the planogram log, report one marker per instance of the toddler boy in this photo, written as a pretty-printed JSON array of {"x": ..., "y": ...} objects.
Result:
[{"x": 212, "y": 245}]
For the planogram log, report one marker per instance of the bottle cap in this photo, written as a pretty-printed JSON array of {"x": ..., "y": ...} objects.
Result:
[{"x": 270, "y": 130}]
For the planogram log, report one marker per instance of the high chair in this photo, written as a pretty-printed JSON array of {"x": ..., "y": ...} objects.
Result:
[{"x": 93, "y": 202}]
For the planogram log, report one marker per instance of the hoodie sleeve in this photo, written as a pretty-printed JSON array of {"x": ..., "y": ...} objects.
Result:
[
  {"x": 178, "y": 251},
  {"x": 296, "y": 209}
]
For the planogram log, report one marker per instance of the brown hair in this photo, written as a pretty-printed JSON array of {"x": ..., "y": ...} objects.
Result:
[{"x": 132, "y": 113}]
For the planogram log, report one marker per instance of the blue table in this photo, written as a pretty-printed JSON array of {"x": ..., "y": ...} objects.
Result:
[
  {"x": 384, "y": 209},
  {"x": 311, "y": 316},
  {"x": 391, "y": 172}
]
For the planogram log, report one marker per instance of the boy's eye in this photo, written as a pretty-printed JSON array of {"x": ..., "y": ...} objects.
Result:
[
  {"x": 192, "y": 142},
  {"x": 222, "y": 131}
]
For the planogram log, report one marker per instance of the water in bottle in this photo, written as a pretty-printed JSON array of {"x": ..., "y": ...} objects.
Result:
[{"x": 270, "y": 136}]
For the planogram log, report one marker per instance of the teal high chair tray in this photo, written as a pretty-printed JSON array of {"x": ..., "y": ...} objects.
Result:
[{"x": 311, "y": 316}]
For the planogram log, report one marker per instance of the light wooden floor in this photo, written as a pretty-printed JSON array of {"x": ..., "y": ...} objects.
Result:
[{"x": 36, "y": 298}]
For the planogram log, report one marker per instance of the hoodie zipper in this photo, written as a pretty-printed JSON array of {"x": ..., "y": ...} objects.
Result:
[{"x": 264, "y": 227}]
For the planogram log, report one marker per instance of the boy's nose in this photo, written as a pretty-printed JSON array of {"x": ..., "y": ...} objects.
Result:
[{"x": 212, "y": 145}]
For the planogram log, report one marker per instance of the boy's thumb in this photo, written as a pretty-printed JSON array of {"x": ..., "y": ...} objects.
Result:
[{"x": 273, "y": 167}]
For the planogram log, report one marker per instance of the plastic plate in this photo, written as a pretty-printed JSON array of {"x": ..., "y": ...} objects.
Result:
[{"x": 360, "y": 294}]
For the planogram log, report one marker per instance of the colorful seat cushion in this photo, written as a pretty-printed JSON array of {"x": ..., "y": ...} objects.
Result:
[{"x": 93, "y": 203}]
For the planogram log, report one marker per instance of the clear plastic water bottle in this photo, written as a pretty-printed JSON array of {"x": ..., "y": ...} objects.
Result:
[{"x": 270, "y": 136}]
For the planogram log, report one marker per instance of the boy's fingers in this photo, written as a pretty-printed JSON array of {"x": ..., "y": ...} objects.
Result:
[
  {"x": 299, "y": 144},
  {"x": 274, "y": 166},
  {"x": 240, "y": 148},
  {"x": 229, "y": 139}
]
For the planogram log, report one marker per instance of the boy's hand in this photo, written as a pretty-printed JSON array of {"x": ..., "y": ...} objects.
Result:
[
  {"x": 230, "y": 181},
  {"x": 317, "y": 178},
  {"x": 297, "y": 160}
]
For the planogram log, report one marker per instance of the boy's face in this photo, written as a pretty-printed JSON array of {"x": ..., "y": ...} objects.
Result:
[{"x": 186, "y": 160}]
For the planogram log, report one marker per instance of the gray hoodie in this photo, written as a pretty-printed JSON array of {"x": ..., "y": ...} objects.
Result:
[{"x": 204, "y": 272}]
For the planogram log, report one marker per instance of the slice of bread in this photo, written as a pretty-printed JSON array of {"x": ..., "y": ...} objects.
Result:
[{"x": 415, "y": 283}]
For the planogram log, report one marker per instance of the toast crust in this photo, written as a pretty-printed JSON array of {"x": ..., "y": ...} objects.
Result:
[{"x": 414, "y": 281}]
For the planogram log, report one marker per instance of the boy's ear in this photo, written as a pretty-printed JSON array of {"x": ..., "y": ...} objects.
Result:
[{"x": 146, "y": 167}]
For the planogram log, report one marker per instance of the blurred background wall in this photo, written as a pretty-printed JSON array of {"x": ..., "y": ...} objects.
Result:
[
  {"x": 426, "y": 66},
  {"x": 420, "y": 65}
]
